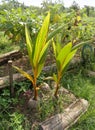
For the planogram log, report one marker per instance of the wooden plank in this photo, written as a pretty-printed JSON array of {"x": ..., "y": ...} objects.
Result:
[
  {"x": 9, "y": 56},
  {"x": 65, "y": 120}
]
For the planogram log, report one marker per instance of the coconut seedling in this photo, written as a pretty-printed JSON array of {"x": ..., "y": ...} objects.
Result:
[
  {"x": 36, "y": 53},
  {"x": 63, "y": 56}
]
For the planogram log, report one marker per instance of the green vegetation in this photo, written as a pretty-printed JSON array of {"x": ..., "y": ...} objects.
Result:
[
  {"x": 78, "y": 83},
  {"x": 6, "y": 45},
  {"x": 37, "y": 54},
  {"x": 63, "y": 56},
  {"x": 82, "y": 86},
  {"x": 69, "y": 28},
  {"x": 9, "y": 118}
]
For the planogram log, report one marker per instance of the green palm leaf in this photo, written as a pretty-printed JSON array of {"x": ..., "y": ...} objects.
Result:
[
  {"x": 41, "y": 38},
  {"x": 43, "y": 51},
  {"x": 41, "y": 60},
  {"x": 29, "y": 44},
  {"x": 24, "y": 73},
  {"x": 62, "y": 55},
  {"x": 68, "y": 58}
]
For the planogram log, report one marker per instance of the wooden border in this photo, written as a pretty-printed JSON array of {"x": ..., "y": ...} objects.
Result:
[{"x": 68, "y": 118}]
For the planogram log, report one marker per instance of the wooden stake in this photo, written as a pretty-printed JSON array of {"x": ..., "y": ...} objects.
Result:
[{"x": 11, "y": 78}]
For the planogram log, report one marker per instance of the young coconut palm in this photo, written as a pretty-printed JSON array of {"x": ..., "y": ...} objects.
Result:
[
  {"x": 63, "y": 56},
  {"x": 37, "y": 53}
]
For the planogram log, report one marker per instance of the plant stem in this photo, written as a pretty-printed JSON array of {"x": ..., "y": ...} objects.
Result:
[
  {"x": 35, "y": 86},
  {"x": 57, "y": 85},
  {"x": 35, "y": 94},
  {"x": 56, "y": 91}
]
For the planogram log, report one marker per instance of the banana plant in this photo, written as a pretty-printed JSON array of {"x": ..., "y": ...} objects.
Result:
[
  {"x": 37, "y": 53},
  {"x": 63, "y": 56}
]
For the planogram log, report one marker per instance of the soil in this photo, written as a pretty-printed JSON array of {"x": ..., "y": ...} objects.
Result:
[{"x": 22, "y": 62}]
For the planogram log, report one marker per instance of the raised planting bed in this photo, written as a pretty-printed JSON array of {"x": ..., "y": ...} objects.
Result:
[
  {"x": 64, "y": 120},
  {"x": 49, "y": 113}
]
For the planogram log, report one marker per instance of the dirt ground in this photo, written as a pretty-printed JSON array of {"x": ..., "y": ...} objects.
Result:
[{"x": 22, "y": 63}]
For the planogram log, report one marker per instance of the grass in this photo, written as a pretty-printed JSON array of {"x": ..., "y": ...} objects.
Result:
[
  {"x": 6, "y": 45},
  {"x": 82, "y": 86}
]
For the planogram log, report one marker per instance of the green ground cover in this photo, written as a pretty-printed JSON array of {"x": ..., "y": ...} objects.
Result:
[
  {"x": 6, "y": 45},
  {"x": 81, "y": 85}
]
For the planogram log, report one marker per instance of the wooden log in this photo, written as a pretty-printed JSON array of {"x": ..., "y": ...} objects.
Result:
[
  {"x": 16, "y": 54},
  {"x": 4, "y": 81},
  {"x": 90, "y": 73},
  {"x": 9, "y": 56},
  {"x": 65, "y": 120}
]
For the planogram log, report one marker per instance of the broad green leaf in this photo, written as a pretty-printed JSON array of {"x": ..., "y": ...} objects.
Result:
[
  {"x": 41, "y": 63},
  {"x": 42, "y": 59},
  {"x": 62, "y": 54},
  {"x": 68, "y": 58},
  {"x": 29, "y": 44},
  {"x": 40, "y": 66},
  {"x": 24, "y": 73},
  {"x": 41, "y": 38},
  {"x": 43, "y": 51},
  {"x": 81, "y": 44}
]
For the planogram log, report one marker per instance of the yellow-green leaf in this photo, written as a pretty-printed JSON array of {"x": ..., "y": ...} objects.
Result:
[
  {"x": 62, "y": 54},
  {"x": 29, "y": 44},
  {"x": 54, "y": 48},
  {"x": 78, "y": 18},
  {"x": 43, "y": 51},
  {"x": 81, "y": 44},
  {"x": 55, "y": 77},
  {"x": 41, "y": 38},
  {"x": 24, "y": 73},
  {"x": 40, "y": 67},
  {"x": 58, "y": 46},
  {"x": 42, "y": 57},
  {"x": 68, "y": 58}
]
